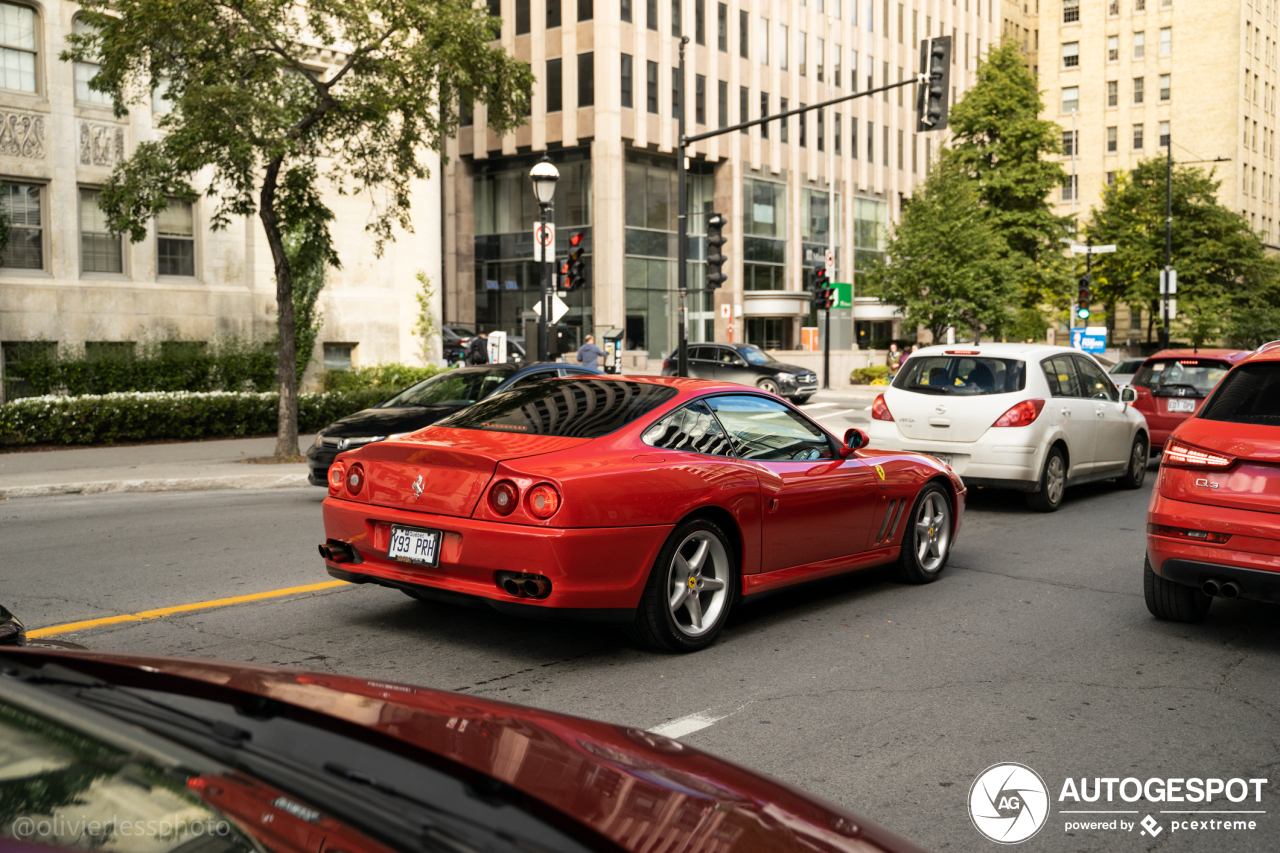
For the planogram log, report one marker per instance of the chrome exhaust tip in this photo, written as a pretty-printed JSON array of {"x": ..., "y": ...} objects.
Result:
[
  {"x": 1230, "y": 589},
  {"x": 512, "y": 587},
  {"x": 1210, "y": 587}
]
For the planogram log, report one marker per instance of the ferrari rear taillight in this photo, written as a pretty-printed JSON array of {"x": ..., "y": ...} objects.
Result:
[
  {"x": 543, "y": 500},
  {"x": 1180, "y": 455},
  {"x": 503, "y": 497},
  {"x": 880, "y": 409},
  {"x": 337, "y": 474},
  {"x": 1023, "y": 414},
  {"x": 1193, "y": 535},
  {"x": 355, "y": 479}
]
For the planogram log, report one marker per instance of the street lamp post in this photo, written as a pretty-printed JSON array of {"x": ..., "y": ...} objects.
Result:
[
  {"x": 544, "y": 175},
  {"x": 1168, "y": 242}
]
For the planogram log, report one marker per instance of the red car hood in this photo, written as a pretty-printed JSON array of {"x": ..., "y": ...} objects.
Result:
[{"x": 640, "y": 790}]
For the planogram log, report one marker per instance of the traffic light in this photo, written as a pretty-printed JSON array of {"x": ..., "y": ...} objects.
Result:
[
  {"x": 824, "y": 295},
  {"x": 574, "y": 271},
  {"x": 1084, "y": 297},
  {"x": 932, "y": 97},
  {"x": 715, "y": 251}
]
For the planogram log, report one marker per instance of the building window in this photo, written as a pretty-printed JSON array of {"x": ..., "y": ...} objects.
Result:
[
  {"x": 651, "y": 14},
  {"x": 1139, "y": 45},
  {"x": 822, "y": 132},
  {"x": 1166, "y": 41},
  {"x": 1113, "y": 93},
  {"x": 1139, "y": 5},
  {"x": 835, "y": 132},
  {"x": 677, "y": 18},
  {"x": 700, "y": 21},
  {"x": 1070, "y": 99},
  {"x": 628, "y": 83},
  {"x": 804, "y": 124},
  {"x": 176, "y": 243},
  {"x": 764, "y": 113},
  {"x": 1070, "y": 11},
  {"x": 765, "y": 230},
  {"x": 651, "y": 86},
  {"x": 554, "y": 86},
  {"x": 700, "y": 99},
  {"x": 21, "y": 206},
  {"x": 784, "y": 36},
  {"x": 677, "y": 102},
  {"x": 783, "y": 136},
  {"x": 820, "y": 57},
  {"x": 1069, "y": 139},
  {"x": 1070, "y": 187},
  {"x": 522, "y": 17},
  {"x": 1071, "y": 54},
  {"x": 1137, "y": 137},
  {"x": 836, "y": 52},
  {"x": 744, "y": 32},
  {"x": 1113, "y": 8},
  {"x": 553, "y": 14},
  {"x": 744, "y": 100},
  {"x": 722, "y": 27},
  {"x": 1139, "y": 89},
  {"x": 586, "y": 10},
  {"x": 1113, "y": 48},
  {"x": 586, "y": 79},
  {"x": 1164, "y": 134},
  {"x": 871, "y": 143},
  {"x": 338, "y": 356},
  {"x": 161, "y": 101},
  {"x": 626, "y": 11},
  {"x": 763, "y": 47},
  {"x": 803, "y": 57},
  {"x": 99, "y": 249},
  {"x": 722, "y": 104},
  {"x": 1165, "y": 86},
  {"x": 1111, "y": 179},
  {"x": 17, "y": 47},
  {"x": 84, "y": 71},
  {"x": 1113, "y": 139}
]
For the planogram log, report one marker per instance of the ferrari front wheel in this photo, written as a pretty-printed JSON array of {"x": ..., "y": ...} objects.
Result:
[
  {"x": 690, "y": 589},
  {"x": 926, "y": 543}
]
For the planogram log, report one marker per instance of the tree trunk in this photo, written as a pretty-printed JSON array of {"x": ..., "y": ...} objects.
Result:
[{"x": 287, "y": 425}]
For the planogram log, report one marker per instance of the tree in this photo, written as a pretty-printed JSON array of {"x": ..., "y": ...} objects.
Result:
[
  {"x": 946, "y": 265},
  {"x": 309, "y": 258},
  {"x": 999, "y": 140},
  {"x": 253, "y": 116},
  {"x": 424, "y": 328},
  {"x": 1224, "y": 275}
]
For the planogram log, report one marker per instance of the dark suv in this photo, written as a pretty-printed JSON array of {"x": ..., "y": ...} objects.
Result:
[{"x": 747, "y": 364}]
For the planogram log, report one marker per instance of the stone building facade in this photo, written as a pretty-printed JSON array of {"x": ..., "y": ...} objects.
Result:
[{"x": 65, "y": 279}]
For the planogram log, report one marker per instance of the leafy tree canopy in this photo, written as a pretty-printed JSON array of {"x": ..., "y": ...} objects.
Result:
[{"x": 271, "y": 97}]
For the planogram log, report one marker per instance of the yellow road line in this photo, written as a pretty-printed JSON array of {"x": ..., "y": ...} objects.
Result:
[{"x": 180, "y": 608}]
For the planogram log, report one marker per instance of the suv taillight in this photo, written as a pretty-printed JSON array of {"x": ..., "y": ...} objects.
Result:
[
  {"x": 1180, "y": 455},
  {"x": 880, "y": 409},
  {"x": 1023, "y": 414}
]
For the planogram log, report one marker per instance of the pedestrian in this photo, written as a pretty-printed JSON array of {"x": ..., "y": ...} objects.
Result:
[
  {"x": 894, "y": 358},
  {"x": 478, "y": 349},
  {"x": 589, "y": 354}
]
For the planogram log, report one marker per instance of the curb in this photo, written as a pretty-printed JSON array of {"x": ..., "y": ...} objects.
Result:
[{"x": 189, "y": 484}]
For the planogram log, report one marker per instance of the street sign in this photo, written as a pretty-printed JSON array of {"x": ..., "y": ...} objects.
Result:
[
  {"x": 544, "y": 242},
  {"x": 1088, "y": 341},
  {"x": 1173, "y": 307},
  {"x": 844, "y": 295},
  {"x": 724, "y": 310},
  {"x": 1086, "y": 249},
  {"x": 1168, "y": 282},
  {"x": 558, "y": 308},
  {"x": 831, "y": 262}
]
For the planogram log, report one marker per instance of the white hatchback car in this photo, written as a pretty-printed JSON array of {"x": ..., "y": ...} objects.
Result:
[{"x": 1028, "y": 417}]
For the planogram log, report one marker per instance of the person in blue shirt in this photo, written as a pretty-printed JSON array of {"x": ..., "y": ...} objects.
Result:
[{"x": 589, "y": 354}]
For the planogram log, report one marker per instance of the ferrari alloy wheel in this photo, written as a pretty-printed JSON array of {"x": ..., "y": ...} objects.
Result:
[
  {"x": 768, "y": 386},
  {"x": 1137, "y": 471},
  {"x": 926, "y": 543},
  {"x": 1053, "y": 483},
  {"x": 690, "y": 589}
]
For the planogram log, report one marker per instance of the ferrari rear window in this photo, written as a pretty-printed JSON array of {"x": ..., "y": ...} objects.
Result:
[
  {"x": 579, "y": 408},
  {"x": 1249, "y": 395},
  {"x": 961, "y": 376}
]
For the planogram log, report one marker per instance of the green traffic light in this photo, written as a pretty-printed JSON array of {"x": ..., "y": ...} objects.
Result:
[{"x": 1082, "y": 313}]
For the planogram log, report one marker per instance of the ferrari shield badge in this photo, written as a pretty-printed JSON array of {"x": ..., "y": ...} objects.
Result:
[{"x": 880, "y": 471}]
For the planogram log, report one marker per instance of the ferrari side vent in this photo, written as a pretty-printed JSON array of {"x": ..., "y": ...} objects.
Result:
[{"x": 890, "y": 522}]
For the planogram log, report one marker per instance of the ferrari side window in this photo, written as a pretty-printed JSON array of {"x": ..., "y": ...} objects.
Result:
[
  {"x": 766, "y": 430},
  {"x": 692, "y": 428}
]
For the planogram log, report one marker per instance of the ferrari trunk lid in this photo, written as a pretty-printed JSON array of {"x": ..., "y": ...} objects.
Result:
[{"x": 444, "y": 471}]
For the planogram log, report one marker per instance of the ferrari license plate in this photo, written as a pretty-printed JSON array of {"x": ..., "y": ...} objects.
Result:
[
  {"x": 411, "y": 545},
  {"x": 1176, "y": 405}
]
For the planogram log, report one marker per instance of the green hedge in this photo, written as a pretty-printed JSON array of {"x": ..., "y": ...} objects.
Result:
[
  {"x": 390, "y": 377},
  {"x": 230, "y": 365},
  {"x": 109, "y": 418},
  {"x": 869, "y": 375}
]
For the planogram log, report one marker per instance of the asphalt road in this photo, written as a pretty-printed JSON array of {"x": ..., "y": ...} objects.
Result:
[{"x": 1034, "y": 647}]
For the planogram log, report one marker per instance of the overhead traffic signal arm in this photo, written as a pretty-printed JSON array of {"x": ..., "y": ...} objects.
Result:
[{"x": 933, "y": 95}]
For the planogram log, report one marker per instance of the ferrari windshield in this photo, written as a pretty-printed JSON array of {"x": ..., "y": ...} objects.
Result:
[
  {"x": 1250, "y": 395},
  {"x": 459, "y": 387},
  {"x": 581, "y": 408},
  {"x": 1197, "y": 373},
  {"x": 961, "y": 376}
]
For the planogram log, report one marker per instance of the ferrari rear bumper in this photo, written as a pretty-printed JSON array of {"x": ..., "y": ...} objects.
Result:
[{"x": 596, "y": 574}]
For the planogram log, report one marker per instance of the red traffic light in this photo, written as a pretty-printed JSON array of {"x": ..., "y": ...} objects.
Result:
[{"x": 576, "y": 239}]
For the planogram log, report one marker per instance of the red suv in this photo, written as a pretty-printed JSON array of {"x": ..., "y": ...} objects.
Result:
[
  {"x": 1173, "y": 383},
  {"x": 1213, "y": 526}
]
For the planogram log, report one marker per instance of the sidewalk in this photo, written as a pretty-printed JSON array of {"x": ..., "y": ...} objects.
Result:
[{"x": 185, "y": 466}]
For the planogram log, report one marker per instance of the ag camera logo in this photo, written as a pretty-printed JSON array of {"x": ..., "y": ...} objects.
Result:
[{"x": 1008, "y": 803}]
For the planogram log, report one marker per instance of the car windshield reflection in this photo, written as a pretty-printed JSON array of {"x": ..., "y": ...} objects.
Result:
[{"x": 459, "y": 387}]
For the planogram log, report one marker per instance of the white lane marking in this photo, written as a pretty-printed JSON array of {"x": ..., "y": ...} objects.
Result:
[
  {"x": 837, "y": 412},
  {"x": 817, "y": 406},
  {"x": 687, "y": 725}
]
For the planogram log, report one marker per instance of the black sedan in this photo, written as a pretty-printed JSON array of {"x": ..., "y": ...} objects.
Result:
[
  {"x": 747, "y": 364},
  {"x": 424, "y": 404}
]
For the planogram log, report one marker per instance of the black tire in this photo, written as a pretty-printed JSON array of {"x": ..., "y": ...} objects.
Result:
[
  {"x": 1174, "y": 602},
  {"x": 656, "y": 625},
  {"x": 935, "y": 502},
  {"x": 1053, "y": 483},
  {"x": 769, "y": 386},
  {"x": 1139, "y": 456},
  {"x": 801, "y": 400}
]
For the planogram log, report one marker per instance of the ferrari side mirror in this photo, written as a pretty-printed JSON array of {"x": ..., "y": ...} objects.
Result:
[{"x": 855, "y": 439}]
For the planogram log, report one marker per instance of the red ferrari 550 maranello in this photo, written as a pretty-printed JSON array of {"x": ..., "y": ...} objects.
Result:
[{"x": 652, "y": 502}]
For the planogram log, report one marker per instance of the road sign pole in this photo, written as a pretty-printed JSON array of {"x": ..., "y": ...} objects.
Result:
[{"x": 682, "y": 231}]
